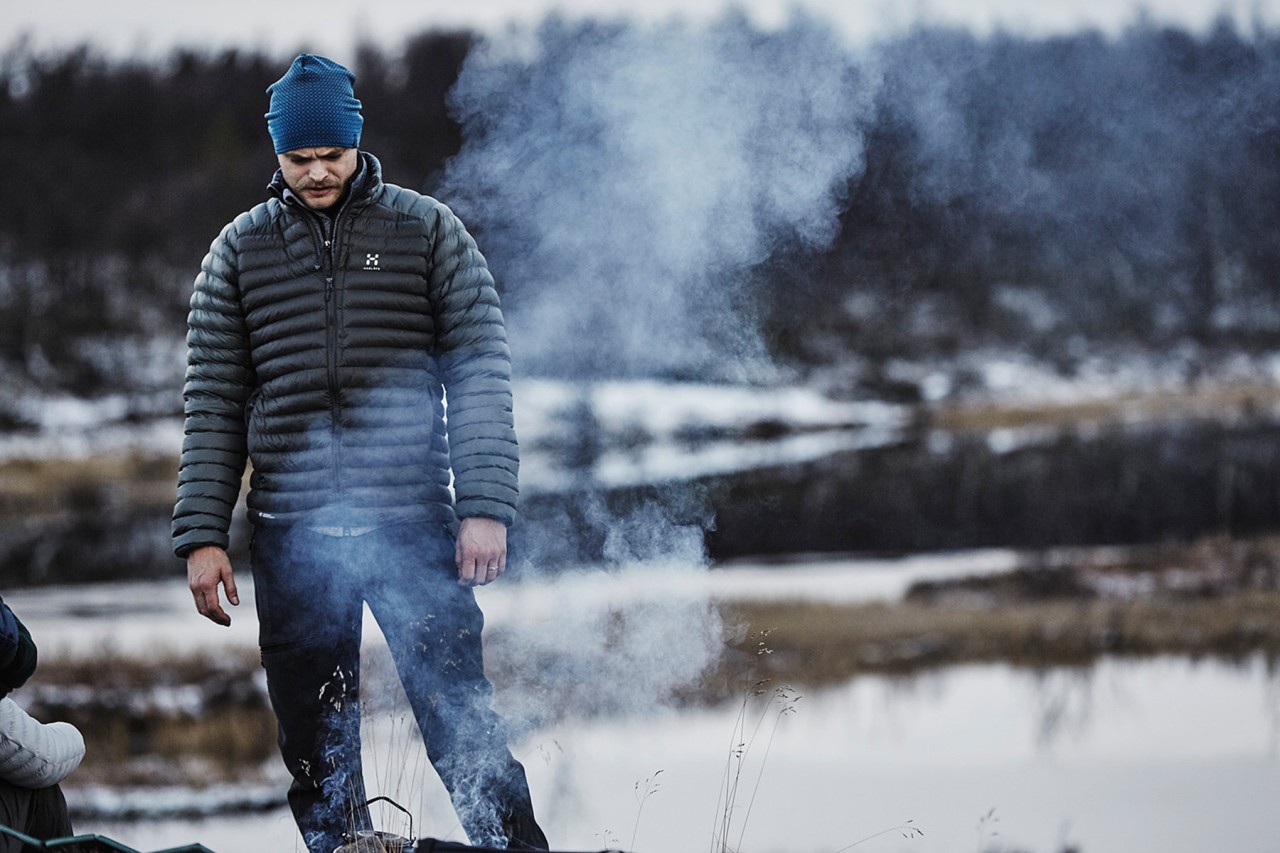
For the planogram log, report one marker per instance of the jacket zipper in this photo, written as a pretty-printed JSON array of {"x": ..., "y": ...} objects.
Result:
[
  {"x": 331, "y": 349},
  {"x": 324, "y": 233},
  {"x": 327, "y": 234}
]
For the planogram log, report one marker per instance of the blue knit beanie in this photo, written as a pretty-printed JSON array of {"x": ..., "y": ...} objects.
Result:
[{"x": 314, "y": 106}]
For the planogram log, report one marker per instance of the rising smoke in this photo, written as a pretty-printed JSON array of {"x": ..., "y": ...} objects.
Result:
[
  {"x": 624, "y": 182},
  {"x": 627, "y": 179}
]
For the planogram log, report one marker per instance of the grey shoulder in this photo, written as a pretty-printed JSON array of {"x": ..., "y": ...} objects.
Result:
[
  {"x": 409, "y": 202},
  {"x": 257, "y": 218}
]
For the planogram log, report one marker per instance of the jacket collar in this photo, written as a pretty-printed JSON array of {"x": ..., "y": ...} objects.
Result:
[{"x": 364, "y": 185}]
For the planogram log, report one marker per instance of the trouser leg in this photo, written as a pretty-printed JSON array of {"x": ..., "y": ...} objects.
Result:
[
  {"x": 433, "y": 628},
  {"x": 40, "y": 813},
  {"x": 49, "y": 815},
  {"x": 15, "y": 809},
  {"x": 309, "y": 618}
]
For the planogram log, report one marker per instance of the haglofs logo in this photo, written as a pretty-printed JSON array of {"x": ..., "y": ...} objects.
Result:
[{"x": 371, "y": 262}]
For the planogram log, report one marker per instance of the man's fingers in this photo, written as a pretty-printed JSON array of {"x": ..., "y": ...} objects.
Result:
[
  {"x": 208, "y": 606},
  {"x": 481, "y": 551},
  {"x": 207, "y": 569},
  {"x": 477, "y": 573},
  {"x": 467, "y": 571},
  {"x": 487, "y": 573},
  {"x": 473, "y": 569},
  {"x": 213, "y": 607},
  {"x": 213, "y": 610}
]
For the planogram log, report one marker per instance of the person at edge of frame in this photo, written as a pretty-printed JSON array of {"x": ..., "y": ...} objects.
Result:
[
  {"x": 327, "y": 324},
  {"x": 34, "y": 757}
]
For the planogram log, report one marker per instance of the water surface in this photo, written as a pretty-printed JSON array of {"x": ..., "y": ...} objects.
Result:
[{"x": 1164, "y": 754}]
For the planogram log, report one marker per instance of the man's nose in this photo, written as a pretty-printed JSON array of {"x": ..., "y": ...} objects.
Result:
[{"x": 317, "y": 172}]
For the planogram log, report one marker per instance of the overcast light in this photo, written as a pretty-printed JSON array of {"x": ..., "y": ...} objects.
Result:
[{"x": 151, "y": 27}]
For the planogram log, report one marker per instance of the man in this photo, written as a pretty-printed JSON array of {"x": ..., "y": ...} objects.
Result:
[
  {"x": 326, "y": 326},
  {"x": 34, "y": 757}
]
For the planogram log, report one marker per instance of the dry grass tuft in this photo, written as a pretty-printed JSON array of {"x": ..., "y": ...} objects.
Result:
[
  {"x": 1215, "y": 597},
  {"x": 1242, "y": 400},
  {"x": 169, "y": 721}
]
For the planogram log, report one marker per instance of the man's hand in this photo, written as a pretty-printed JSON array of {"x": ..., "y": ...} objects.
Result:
[
  {"x": 208, "y": 567},
  {"x": 481, "y": 554}
]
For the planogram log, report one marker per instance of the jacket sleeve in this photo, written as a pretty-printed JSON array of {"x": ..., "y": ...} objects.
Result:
[
  {"x": 475, "y": 366},
  {"x": 18, "y": 655},
  {"x": 219, "y": 380},
  {"x": 8, "y": 636},
  {"x": 34, "y": 754}
]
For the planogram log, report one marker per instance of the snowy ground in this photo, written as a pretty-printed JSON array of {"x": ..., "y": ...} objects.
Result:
[
  {"x": 643, "y": 431},
  {"x": 646, "y": 431},
  {"x": 139, "y": 618}
]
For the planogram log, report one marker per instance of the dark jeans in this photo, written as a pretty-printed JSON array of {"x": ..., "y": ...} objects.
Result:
[
  {"x": 310, "y": 588},
  {"x": 40, "y": 813}
]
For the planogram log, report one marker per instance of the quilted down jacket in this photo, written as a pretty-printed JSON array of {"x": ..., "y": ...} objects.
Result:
[
  {"x": 35, "y": 754},
  {"x": 326, "y": 352}
]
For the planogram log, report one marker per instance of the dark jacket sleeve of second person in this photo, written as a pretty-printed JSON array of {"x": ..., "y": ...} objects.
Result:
[{"x": 17, "y": 652}]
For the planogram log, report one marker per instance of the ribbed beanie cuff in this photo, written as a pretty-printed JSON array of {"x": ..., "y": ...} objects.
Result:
[{"x": 314, "y": 106}]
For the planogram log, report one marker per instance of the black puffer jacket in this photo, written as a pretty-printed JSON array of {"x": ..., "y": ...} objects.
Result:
[{"x": 322, "y": 351}]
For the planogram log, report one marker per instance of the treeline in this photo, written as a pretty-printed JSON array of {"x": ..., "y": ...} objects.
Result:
[
  {"x": 1071, "y": 192},
  {"x": 1052, "y": 194}
]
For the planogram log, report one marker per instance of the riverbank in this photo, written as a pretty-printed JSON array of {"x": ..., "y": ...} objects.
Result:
[
  {"x": 196, "y": 713},
  {"x": 1029, "y": 464},
  {"x": 1217, "y": 597}
]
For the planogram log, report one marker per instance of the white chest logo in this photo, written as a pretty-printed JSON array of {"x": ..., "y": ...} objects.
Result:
[{"x": 371, "y": 262}]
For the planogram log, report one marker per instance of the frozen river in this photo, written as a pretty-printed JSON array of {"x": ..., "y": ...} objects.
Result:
[{"x": 1126, "y": 756}]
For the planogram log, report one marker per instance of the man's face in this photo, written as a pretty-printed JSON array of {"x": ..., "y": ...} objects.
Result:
[{"x": 318, "y": 175}]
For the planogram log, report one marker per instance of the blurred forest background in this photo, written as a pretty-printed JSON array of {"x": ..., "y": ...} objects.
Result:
[
  {"x": 1064, "y": 197},
  {"x": 1066, "y": 210}
]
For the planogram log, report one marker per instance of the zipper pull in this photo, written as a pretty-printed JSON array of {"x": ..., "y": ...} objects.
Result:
[{"x": 328, "y": 288}]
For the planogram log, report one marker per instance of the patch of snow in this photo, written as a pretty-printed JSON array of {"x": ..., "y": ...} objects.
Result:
[
  {"x": 71, "y": 432},
  {"x": 1029, "y": 304},
  {"x": 656, "y": 408},
  {"x": 1008, "y": 439},
  {"x": 74, "y": 413},
  {"x": 100, "y": 803},
  {"x": 148, "y": 362},
  {"x": 663, "y": 414},
  {"x": 150, "y": 618},
  {"x": 668, "y": 462},
  {"x": 1015, "y": 377}
]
